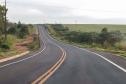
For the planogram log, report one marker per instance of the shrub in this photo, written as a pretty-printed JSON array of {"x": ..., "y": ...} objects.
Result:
[
  {"x": 121, "y": 45},
  {"x": 105, "y": 38},
  {"x": 109, "y": 38},
  {"x": 35, "y": 44},
  {"x": 115, "y": 37},
  {"x": 12, "y": 30},
  {"x": 22, "y": 30},
  {"x": 5, "y": 46},
  {"x": 59, "y": 27}
]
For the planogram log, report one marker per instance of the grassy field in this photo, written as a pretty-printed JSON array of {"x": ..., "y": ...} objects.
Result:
[
  {"x": 118, "y": 49},
  {"x": 95, "y": 27}
]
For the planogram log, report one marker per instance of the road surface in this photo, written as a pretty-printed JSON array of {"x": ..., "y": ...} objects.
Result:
[{"x": 58, "y": 63}]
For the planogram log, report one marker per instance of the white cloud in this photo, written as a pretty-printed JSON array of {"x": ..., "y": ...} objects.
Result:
[
  {"x": 35, "y": 12},
  {"x": 68, "y": 10},
  {"x": 99, "y": 14}
]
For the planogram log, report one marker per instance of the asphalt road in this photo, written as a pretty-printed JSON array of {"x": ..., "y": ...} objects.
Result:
[{"x": 80, "y": 66}]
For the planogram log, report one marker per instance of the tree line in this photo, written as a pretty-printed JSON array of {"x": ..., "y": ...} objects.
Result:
[
  {"x": 2, "y": 20},
  {"x": 17, "y": 29},
  {"x": 20, "y": 30},
  {"x": 104, "y": 38}
]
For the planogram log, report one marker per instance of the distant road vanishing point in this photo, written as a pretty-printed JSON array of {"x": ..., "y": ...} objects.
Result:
[{"x": 60, "y": 63}]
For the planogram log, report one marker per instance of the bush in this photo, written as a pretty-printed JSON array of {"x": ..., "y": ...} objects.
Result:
[
  {"x": 5, "y": 46},
  {"x": 121, "y": 45},
  {"x": 1, "y": 40},
  {"x": 35, "y": 44},
  {"x": 12, "y": 30},
  {"x": 59, "y": 27},
  {"x": 115, "y": 37},
  {"x": 109, "y": 38},
  {"x": 105, "y": 38},
  {"x": 11, "y": 40},
  {"x": 22, "y": 30}
]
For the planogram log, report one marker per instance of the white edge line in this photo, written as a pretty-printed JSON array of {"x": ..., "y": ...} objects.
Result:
[
  {"x": 24, "y": 58},
  {"x": 116, "y": 65},
  {"x": 121, "y": 68},
  {"x": 64, "y": 53}
]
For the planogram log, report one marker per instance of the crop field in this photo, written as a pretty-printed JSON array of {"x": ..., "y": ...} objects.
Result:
[{"x": 95, "y": 27}]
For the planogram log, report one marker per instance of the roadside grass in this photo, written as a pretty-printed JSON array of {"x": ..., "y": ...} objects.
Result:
[
  {"x": 35, "y": 45},
  {"x": 95, "y": 27},
  {"x": 115, "y": 51},
  {"x": 11, "y": 41},
  {"x": 16, "y": 46},
  {"x": 121, "y": 45},
  {"x": 97, "y": 47},
  {"x": 32, "y": 29}
]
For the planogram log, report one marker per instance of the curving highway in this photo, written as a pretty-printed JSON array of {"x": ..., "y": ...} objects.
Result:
[{"x": 58, "y": 63}]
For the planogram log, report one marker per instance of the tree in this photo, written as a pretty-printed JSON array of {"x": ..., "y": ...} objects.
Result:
[
  {"x": 0, "y": 37},
  {"x": 103, "y": 36},
  {"x": 104, "y": 30},
  {"x": 12, "y": 30},
  {"x": 1, "y": 18},
  {"x": 22, "y": 30},
  {"x": 3, "y": 25},
  {"x": 109, "y": 38},
  {"x": 114, "y": 37}
]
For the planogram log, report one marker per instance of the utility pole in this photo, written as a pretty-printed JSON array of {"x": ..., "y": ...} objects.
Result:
[{"x": 5, "y": 21}]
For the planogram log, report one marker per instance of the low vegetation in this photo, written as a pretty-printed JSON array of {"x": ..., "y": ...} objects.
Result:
[
  {"x": 105, "y": 40},
  {"x": 20, "y": 38},
  {"x": 16, "y": 38},
  {"x": 95, "y": 27}
]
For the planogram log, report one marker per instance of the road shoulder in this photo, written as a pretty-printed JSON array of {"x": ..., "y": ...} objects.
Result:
[
  {"x": 14, "y": 57},
  {"x": 116, "y": 59}
]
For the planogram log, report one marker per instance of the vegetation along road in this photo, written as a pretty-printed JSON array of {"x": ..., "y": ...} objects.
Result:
[{"x": 59, "y": 63}]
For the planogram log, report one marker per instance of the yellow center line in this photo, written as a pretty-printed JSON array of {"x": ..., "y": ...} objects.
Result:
[{"x": 51, "y": 71}]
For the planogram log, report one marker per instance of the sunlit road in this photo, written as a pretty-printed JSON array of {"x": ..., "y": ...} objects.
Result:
[{"x": 76, "y": 66}]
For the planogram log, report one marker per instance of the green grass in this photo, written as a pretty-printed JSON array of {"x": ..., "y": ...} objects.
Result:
[
  {"x": 35, "y": 45},
  {"x": 97, "y": 47},
  {"x": 32, "y": 29},
  {"x": 11, "y": 40},
  {"x": 95, "y": 27}
]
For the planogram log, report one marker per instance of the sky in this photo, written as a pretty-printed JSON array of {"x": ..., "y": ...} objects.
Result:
[{"x": 67, "y": 11}]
